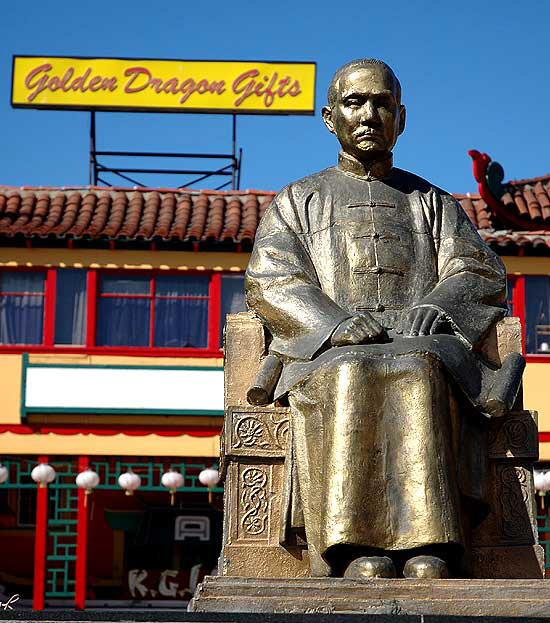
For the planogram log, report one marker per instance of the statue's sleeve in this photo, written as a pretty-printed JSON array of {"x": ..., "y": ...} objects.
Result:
[
  {"x": 282, "y": 285},
  {"x": 471, "y": 287}
]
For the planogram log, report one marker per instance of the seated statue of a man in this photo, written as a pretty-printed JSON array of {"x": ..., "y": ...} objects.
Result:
[{"x": 376, "y": 291}]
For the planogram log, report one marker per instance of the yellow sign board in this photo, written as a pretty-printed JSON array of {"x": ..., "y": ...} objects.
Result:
[{"x": 276, "y": 88}]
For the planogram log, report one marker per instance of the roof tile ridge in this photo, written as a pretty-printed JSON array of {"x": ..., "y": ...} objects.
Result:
[{"x": 528, "y": 180}]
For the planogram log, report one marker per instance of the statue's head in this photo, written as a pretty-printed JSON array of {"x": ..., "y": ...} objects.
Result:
[{"x": 364, "y": 109}]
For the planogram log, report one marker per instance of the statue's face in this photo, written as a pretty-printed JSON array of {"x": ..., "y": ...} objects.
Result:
[{"x": 366, "y": 117}]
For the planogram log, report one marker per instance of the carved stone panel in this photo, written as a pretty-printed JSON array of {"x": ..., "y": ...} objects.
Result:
[
  {"x": 256, "y": 431},
  {"x": 253, "y": 503},
  {"x": 514, "y": 436},
  {"x": 512, "y": 519}
]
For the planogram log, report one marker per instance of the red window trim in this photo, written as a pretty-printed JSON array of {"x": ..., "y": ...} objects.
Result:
[
  {"x": 213, "y": 348},
  {"x": 518, "y": 302}
]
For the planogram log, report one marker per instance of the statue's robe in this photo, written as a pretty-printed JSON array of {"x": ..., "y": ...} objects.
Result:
[{"x": 380, "y": 456}]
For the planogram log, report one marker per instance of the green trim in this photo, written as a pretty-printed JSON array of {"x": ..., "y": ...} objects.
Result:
[
  {"x": 114, "y": 411},
  {"x": 119, "y": 367},
  {"x": 23, "y": 400}
]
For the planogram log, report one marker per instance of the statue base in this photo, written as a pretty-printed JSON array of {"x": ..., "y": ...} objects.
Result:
[{"x": 457, "y": 597}]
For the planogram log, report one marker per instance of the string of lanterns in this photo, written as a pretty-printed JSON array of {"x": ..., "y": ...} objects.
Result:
[{"x": 44, "y": 474}]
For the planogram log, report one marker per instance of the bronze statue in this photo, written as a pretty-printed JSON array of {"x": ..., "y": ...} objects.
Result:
[{"x": 377, "y": 291}]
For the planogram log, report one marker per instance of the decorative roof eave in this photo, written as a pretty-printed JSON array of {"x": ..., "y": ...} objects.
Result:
[{"x": 489, "y": 175}]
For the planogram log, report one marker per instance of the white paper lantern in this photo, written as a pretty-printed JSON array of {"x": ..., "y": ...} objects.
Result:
[
  {"x": 4, "y": 473},
  {"x": 43, "y": 474},
  {"x": 172, "y": 480},
  {"x": 88, "y": 480},
  {"x": 209, "y": 477},
  {"x": 541, "y": 481},
  {"x": 129, "y": 482}
]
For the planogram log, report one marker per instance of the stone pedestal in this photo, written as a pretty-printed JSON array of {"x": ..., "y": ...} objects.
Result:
[{"x": 497, "y": 598}]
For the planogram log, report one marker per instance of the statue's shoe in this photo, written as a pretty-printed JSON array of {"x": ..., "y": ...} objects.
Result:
[
  {"x": 371, "y": 567},
  {"x": 426, "y": 567}
]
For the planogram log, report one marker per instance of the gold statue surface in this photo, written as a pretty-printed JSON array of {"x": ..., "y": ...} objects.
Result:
[{"x": 376, "y": 291}]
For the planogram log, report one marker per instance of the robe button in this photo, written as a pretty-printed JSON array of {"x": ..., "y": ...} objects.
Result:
[{"x": 379, "y": 308}]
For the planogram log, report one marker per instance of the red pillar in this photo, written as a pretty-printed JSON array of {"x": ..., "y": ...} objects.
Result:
[
  {"x": 81, "y": 542},
  {"x": 40, "y": 543}
]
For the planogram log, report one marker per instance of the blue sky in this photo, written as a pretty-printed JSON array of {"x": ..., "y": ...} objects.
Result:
[{"x": 474, "y": 75}]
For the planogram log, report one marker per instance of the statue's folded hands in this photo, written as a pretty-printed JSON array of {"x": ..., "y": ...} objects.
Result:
[{"x": 361, "y": 328}]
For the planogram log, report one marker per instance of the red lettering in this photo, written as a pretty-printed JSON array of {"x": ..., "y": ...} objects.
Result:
[
  {"x": 134, "y": 73},
  {"x": 294, "y": 89},
  {"x": 247, "y": 89},
  {"x": 187, "y": 87},
  {"x": 109, "y": 84},
  {"x": 78, "y": 84},
  {"x": 269, "y": 93},
  {"x": 95, "y": 83},
  {"x": 54, "y": 83},
  {"x": 40, "y": 84},
  {"x": 171, "y": 86},
  {"x": 217, "y": 87},
  {"x": 202, "y": 86},
  {"x": 156, "y": 84},
  {"x": 282, "y": 85},
  {"x": 68, "y": 75}
]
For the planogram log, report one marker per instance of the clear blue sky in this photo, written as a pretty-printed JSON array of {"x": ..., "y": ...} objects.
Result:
[{"x": 474, "y": 75}]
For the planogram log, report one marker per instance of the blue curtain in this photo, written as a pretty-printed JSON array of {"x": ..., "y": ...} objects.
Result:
[
  {"x": 21, "y": 315},
  {"x": 181, "y": 323},
  {"x": 123, "y": 321},
  {"x": 537, "y": 315},
  {"x": 70, "y": 306}
]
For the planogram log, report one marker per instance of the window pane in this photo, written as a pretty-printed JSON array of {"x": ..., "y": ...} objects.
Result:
[
  {"x": 537, "y": 315},
  {"x": 118, "y": 284},
  {"x": 21, "y": 319},
  {"x": 122, "y": 322},
  {"x": 232, "y": 298},
  {"x": 181, "y": 323},
  {"x": 70, "y": 306},
  {"x": 181, "y": 285},
  {"x": 22, "y": 282}
]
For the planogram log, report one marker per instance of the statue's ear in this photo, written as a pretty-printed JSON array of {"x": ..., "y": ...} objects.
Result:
[
  {"x": 327, "y": 118},
  {"x": 402, "y": 118}
]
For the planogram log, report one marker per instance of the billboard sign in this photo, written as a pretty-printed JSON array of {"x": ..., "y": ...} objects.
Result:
[{"x": 147, "y": 85}]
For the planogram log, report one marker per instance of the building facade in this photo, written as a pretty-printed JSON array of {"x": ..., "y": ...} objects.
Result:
[{"x": 112, "y": 305}]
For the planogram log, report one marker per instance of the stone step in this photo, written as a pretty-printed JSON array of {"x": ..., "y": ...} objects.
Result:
[{"x": 457, "y": 597}]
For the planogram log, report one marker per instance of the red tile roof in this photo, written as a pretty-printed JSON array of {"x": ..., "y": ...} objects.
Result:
[
  {"x": 214, "y": 216},
  {"x": 131, "y": 214}
]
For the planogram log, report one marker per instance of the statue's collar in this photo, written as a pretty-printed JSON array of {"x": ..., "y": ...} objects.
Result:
[{"x": 370, "y": 171}]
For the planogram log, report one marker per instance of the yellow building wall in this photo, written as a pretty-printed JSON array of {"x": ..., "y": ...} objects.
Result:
[
  {"x": 114, "y": 445},
  {"x": 122, "y": 259},
  {"x": 10, "y": 389}
]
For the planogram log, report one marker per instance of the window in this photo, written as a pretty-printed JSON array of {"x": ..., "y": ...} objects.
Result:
[
  {"x": 107, "y": 310},
  {"x": 537, "y": 315},
  {"x": 22, "y": 307},
  {"x": 166, "y": 311},
  {"x": 70, "y": 307}
]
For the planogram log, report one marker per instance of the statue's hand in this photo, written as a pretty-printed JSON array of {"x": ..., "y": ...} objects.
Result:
[
  {"x": 422, "y": 321},
  {"x": 359, "y": 329}
]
